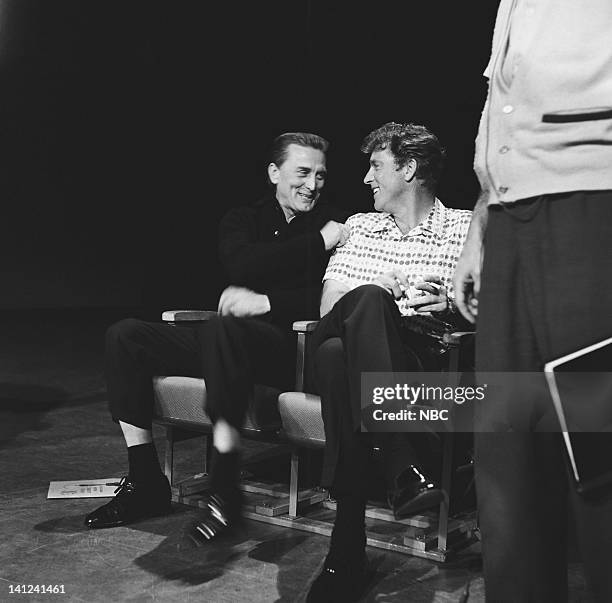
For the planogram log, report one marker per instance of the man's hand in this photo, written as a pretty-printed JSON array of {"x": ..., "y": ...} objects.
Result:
[
  {"x": 394, "y": 281},
  {"x": 335, "y": 234},
  {"x": 239, "y": 301},
  {"x": 466, "y": 280},
  {"x": 435, "y": 298}
]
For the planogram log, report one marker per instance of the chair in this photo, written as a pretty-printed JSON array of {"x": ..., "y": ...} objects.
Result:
[
  {"x": 292, "y": 422},
  {"x": 179, "y": 407},
  {"x": 424, "y": 535}
]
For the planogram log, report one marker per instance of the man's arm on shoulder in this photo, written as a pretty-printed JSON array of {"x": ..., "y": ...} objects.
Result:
[
  {"x": 248, "y": 260},
  {"x": 332, "y": 291}
]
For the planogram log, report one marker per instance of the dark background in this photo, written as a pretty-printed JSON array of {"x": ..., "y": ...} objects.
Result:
[{"x": 129, "y": 128}]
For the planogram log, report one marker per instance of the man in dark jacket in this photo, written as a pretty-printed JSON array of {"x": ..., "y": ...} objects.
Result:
[{"x": 275, "y": 253}]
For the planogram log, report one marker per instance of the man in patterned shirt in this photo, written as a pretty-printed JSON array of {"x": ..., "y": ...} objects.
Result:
[{"x": 397, "y": 261}]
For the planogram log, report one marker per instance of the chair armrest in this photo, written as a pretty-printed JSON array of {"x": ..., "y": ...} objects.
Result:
[
  {"x": 302, "y": 328},
  {"x": 305, "y": 326},
  {"x": 187, "y": 315}
]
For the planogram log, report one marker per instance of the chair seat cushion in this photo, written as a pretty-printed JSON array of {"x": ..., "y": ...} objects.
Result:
[
  {"x": 301, "y": 417},
  {"x": 182, "y": 400}
]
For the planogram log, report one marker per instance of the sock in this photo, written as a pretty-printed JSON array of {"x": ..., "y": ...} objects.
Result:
[
  {"x": 224, "y": 478},
  {"x": 144, "y": 464},
  {"x": 348, "y": 538}
]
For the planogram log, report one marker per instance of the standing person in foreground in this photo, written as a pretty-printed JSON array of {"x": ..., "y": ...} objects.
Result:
[
  {"x": 544, "y": 161},
  {"x": 412, "y": 242},
  {"x": 275, "y": 253}
]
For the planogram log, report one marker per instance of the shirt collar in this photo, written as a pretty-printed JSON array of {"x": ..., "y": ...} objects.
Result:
[{"x": 433, "y": 223}]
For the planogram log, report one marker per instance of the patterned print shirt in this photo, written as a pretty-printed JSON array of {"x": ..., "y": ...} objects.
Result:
[{"x": 376, "y": 245}]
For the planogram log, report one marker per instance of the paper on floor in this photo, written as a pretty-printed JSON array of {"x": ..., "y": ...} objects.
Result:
[{"x": 84, "y": 488}]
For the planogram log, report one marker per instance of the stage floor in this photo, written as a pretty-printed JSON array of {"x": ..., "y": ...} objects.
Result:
[{"x": 54, "y": 426}]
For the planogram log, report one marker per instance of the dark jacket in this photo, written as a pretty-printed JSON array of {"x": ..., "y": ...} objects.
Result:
[{"x": 285, "y": 261}]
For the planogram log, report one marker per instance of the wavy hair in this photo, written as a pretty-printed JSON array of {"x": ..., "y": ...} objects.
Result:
[{"x": 410, "y": 141}]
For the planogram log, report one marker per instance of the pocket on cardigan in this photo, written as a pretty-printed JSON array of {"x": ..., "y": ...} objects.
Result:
[{"x": 574, "y": 115}]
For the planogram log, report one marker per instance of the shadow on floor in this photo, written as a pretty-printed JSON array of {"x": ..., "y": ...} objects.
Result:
[
  {"x": 179, "y": 558},
  {"x": 23, "y": 406}
]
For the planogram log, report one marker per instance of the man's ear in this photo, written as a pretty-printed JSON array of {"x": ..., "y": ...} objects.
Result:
[
  {"x": 273, "y": 173},
  {"x": 410, "y": 169}
]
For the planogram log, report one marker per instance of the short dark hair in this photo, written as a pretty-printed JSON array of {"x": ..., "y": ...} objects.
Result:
[
  {"x": 278, "y": 152},
  {"x": 409, "y": 141}
]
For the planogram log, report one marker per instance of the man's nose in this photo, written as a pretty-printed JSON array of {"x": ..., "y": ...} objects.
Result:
[
  {"x": 368, "y": 177},
  {"x": 311, "y": 182}
]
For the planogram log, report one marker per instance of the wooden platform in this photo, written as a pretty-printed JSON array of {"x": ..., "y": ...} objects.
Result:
[{"x": 269, "y": 503}]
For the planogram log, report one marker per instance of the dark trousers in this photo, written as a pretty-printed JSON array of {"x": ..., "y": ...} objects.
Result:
[
  {"x": 546, "y": 291},
  {"x": 361, "y": 333},
  {"x": 232, "y": 354}
]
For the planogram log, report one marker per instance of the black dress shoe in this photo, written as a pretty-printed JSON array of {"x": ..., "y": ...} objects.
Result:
[
  {"x": 132, "y": 502},
  {"x": 413, "y": 493},
  {"x": 221, "y": 518},
  {"x": 339, "y": 582}
]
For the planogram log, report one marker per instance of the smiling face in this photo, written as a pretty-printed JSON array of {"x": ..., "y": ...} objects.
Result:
[
  {"x": 388, "y": 182},
  {"x": 299, "y": 179}
]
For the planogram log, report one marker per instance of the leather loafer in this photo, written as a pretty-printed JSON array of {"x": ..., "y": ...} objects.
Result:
[
  {"x": 220, "y": 518},
  {"x": 339, "y": 582},
  {"x": 414, "y": 492},
  {"x": 132, "y": 502}
]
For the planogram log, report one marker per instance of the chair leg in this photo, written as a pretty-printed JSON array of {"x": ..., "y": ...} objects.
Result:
[
  {"x": 447, "y": 463},
  {"x": 447, "y": 459},
  {"x": 293, "y": 484},
  {"x": 169, "y": 453}
]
